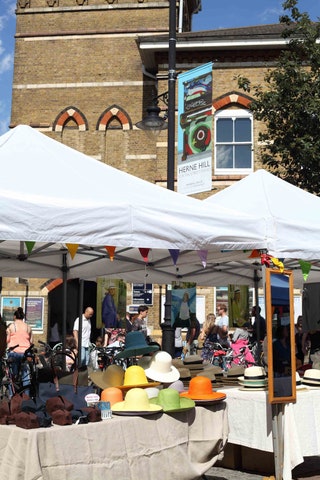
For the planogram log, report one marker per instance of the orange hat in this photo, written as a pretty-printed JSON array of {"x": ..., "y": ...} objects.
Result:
[
  {"x": 112, "y": 395},
  {"x": 200, "y": 388}
]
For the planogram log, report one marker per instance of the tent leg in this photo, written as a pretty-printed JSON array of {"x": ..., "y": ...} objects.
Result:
[
  {"x": 277, "y": 437},
  {"x": 64, "y": 302},
  {"x": 80, "y": 312}
]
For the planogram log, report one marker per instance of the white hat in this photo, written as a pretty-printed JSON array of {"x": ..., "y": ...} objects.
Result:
[{"x": 161, "y": 369}]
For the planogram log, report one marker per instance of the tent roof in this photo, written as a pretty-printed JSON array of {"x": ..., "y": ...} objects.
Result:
[
  {"x": 291, "y": 215},
  {"x": 52, "y": 195}
]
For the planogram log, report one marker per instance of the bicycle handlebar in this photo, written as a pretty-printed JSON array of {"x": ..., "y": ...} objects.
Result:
[{"x": 12, "y": 348}]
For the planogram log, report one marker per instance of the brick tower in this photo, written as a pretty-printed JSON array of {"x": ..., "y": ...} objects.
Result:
[{"x": 79, "y": 76}]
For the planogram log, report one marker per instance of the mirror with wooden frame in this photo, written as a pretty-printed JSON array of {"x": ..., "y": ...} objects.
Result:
[{"x": 281, "y": 359}]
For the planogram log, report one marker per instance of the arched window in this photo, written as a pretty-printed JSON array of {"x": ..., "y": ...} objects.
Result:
[{"x": 233, "y": 142}]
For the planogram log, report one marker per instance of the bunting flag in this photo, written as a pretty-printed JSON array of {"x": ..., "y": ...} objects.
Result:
[
  {"x": 111, "y": 251},
  {"x": 254, "y": 254},
  {"x": 277, "y": 263},
  {"x": 174, "y": 255},
  {"x": 72, "y": 249},
  {"x": 144, "y": 253},
  {"x": 265, "y": 259},
  {"x": 305, "y": 268},
  {"x": 30, "y": 246},
  {"x": 203, "y": 257}
]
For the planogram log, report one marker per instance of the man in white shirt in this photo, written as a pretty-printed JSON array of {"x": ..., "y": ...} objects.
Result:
[
  {"x": 85, "y": 334},
  {"x": 222, "y": 323}
]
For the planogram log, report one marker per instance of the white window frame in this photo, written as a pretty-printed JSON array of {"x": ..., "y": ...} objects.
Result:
[{"x": 232, "y": 113}]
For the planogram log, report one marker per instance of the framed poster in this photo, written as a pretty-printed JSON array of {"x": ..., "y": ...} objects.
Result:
[
  {"x": 33, "y": 309},
  {"x": 8, "y": 306}
]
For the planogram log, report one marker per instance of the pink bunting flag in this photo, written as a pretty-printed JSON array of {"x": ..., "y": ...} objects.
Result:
[
  {"x": 305, "y": 268},
  {"x": 72, "y": 249},
  {"x": 174, "y": 255},
  {"x": 144, "y": 253},
  {"x": 111, "y": 251},
  {"x": 203, "y": 257},
  {"x": 30, "y": 246}
]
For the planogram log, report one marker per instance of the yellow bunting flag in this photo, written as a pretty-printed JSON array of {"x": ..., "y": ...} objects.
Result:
[
  {"x": 111, "y": 251},
  {"x": 305, "y": 268},
  {"x": 277, "y": 263},
  {"x": 30, "y": 246},
  {"x": 72, "y": 248}
]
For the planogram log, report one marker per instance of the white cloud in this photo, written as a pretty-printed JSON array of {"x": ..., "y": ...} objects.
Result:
[
  {"x": 6, "y": 63},
  {"x": 270, "y": 14}
]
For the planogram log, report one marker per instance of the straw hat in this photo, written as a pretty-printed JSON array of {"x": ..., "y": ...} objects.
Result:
[
  {"x": 136, "y": 344},
  {"x": 112, "y": 395},
  {"x": 190, "y": 359},
  {"x": 136, "y": 401},
  {"x": 213, "y": 369},
  {"x": 311, "y": 377},
  {"x": 185, "y": 373},
  {"x": 152, "y": 392},
  {"x": 170, "y": 401},
  {"x": 235, "y": 372},
  {"x": 135, "y": 377},
  {"x": 161, "y": 369},
  {"x": 200, "y": 388},
  {"x": 208, "y": 374},
  {"x": 177, "y": 362},
  {"x": 253, "y": 378},
  {"x": 112, "y": 376},
  {"x": 177, "y": 385}
]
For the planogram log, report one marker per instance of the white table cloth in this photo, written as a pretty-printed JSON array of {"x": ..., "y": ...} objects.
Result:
[
  {"x": 180, "y": 446},
  {"x": 250, "y": 424}
]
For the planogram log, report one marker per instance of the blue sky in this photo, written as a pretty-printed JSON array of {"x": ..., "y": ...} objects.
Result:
[{"x": 214, "y": 14}]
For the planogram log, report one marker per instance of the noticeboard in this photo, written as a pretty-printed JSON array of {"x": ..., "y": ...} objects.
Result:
[{"x": 142, "y": 294}]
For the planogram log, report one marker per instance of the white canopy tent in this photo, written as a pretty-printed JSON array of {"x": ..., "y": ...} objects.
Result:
[{"x": 51, "y": 194}]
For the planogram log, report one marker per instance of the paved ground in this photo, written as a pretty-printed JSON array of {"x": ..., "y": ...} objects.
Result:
[{"x": 309, "y": 470}]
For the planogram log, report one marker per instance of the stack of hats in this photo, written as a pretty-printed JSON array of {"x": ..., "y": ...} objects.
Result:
[
  {"x": 200, "y": 390},
  {"x": 254, "y": 378},
  {"x": 194, "y": 363},
  {"x": 311, "y": 378}
]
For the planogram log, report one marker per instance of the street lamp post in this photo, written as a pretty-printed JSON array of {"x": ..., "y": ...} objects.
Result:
[{"x": 167, "y": 329}]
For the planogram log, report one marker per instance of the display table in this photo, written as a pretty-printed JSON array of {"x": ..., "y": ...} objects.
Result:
[
  {"x": 180, "y": 446},
  {"x": 250, "y": 424}
]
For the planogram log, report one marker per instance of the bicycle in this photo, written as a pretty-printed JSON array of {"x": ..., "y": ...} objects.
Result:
[{"x": 24, "y": 380}]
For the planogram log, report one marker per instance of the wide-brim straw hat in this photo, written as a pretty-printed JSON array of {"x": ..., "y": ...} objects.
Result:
[
  {"x": 112, "y": 376},
  {"x": 136, "y": 344},
  {"x": 311, "y": 377},
  {"x": 254, "y": 373},
  {"x": 191, "y": 359},
  {"x": 135, "y": 377},
  {"x": 161, "y": 369},
  {"x": 200, "y": 388},
  {"x": 136, "y": 400},
  {"x": 171, "y": 401}
]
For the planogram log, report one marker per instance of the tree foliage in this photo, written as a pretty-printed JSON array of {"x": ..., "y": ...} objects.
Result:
[{"x": 289, "y": 104}]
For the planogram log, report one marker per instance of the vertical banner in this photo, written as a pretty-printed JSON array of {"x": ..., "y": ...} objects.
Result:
[
  {"x": 238, "y": 305},
  {"x": 183, "y": 306},
  {"x": 195, "y": 123},
  {"x": 119, "y": 291}
]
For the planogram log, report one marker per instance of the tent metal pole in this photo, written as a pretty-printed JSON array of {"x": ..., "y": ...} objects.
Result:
[
  {"x": 80, "y": 312},
  {"x": 64, "y": 302}
]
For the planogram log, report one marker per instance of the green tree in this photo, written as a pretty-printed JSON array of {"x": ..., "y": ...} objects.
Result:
[{"x": 288, "y": 104}]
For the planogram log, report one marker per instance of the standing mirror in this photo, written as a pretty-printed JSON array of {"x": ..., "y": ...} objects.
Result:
[{"x": 280, "y": 336}]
